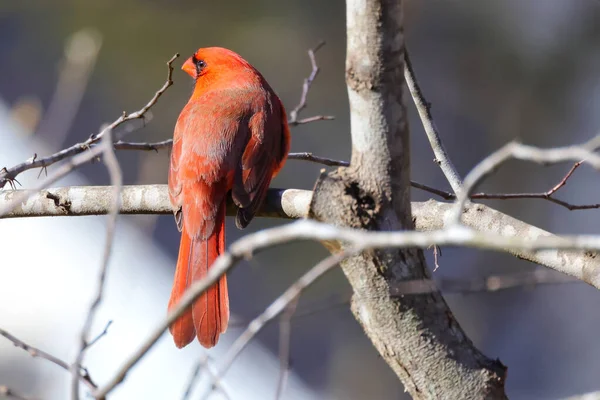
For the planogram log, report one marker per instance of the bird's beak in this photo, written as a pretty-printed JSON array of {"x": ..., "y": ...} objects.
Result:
[{"x": 189, "y": 67}]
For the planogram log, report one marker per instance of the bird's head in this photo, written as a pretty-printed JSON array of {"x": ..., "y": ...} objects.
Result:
[{"x": 214, "y": 61}]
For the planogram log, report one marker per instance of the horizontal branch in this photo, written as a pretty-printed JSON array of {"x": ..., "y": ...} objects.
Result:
[
  {"x": 135, "y": 199},
  {"x": 293, "y": 204}
]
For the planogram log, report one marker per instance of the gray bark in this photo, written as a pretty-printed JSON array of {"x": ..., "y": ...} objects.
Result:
[{"x": 416, "y": 335}]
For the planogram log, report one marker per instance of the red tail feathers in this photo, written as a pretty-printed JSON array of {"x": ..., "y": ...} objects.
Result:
[{"x": 209, "y": 315}]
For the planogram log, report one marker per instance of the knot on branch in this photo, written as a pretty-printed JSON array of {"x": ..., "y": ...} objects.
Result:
[
  {"x": 362, "y": 204},
  {"x": 61, "y": 204},
  {"x": 360, "y": 79}
]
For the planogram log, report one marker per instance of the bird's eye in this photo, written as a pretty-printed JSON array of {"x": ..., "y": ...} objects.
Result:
[{"x": 200, "y": 64}]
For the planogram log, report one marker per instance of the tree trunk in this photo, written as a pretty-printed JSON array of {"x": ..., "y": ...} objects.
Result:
[{"x": 416, "y": 335}]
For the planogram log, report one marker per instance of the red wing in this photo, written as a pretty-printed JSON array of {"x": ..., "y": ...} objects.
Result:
[{"x": 261, "y": 160}]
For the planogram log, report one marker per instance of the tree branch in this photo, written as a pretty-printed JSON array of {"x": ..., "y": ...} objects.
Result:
[
  {"x": 116, "y": 178},
  {"x": 293, "y": 119},
  {"x": 424, "y": 110},
  {"x": 519, "y": 151},
  {"x": 293, "y": 204},
  {"x": 84, "y": 376},
  {"x": 374, "y": 194},
  {"x": 277, "y": 307}
]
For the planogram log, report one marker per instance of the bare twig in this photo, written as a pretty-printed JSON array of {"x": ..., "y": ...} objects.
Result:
[
  {"x": 8, "y": 175},
  {"x": 319, "y": 160},
  {"x": 165, "y": 144},
  {"x": 204, "y": 364},
  {"x": 285, "y": 335},
  {"x": 527, "y": 153},
  {"x": 293, "y": 118},
  {"x": 189, "y": 387},
  {"x": 424, "y": 109},
  {"x": 484, "y": 285},
  {"x": 35, "y": 352},
  {"x": 116, "y": 178},
  {"x": 278, "y": 306},
  {"x": 6, "y": 392},
  {"x": 487, "y": 284},
  {"x": 100, "y": 335},
  {"x": 547, "y": 195}
]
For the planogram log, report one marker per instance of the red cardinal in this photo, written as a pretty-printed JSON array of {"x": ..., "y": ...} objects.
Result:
[{"x": 232, "y": 136}]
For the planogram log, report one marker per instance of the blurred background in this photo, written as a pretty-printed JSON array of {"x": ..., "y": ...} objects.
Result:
[{"x": 494, "y": 71}]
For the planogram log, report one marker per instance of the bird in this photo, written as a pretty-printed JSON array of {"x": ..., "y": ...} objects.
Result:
[{"x": 230, "y": 140}]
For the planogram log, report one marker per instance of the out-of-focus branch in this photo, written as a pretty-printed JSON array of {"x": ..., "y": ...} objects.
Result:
[
  {"x": 116, "y": 179},
  {"x": 8, "y": 393},
  {"x": 277, "y": 307},
  {"x": 293, "y": 118},
  {"x": 205, "y": 365},
  {"x": 81, "y": 52},
  {"x": 9, "y": 175},
  {"x": 285, "y": 337},
  {"x": 424, "y": 109},
  {"x": 84, "y": 376},
  {"x": 523, "y": 280}
]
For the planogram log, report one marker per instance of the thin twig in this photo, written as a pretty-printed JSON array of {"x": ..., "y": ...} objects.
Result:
[
  {"x": 204, "y": 364},
  {"x": 285, "y": 335},
  {"x": 116, "y": 178},
  {"x": 165, "y": 144},
  {"x": 536, "y": 278},
  {"x": 189, "y": 387},
  {"x": 8, "y": 175},
  {"x": 424, "y": 109},
  {"x": 100, "y": 335},
  {"x": 519, "y": 151},
  {"x": 37, "y": 353},
  {"x": 547, "y": 195},
  {"x": 319, "y": 160},
  {"x": 293, "y": 118},
  {"x": 279, "y": 305}
]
